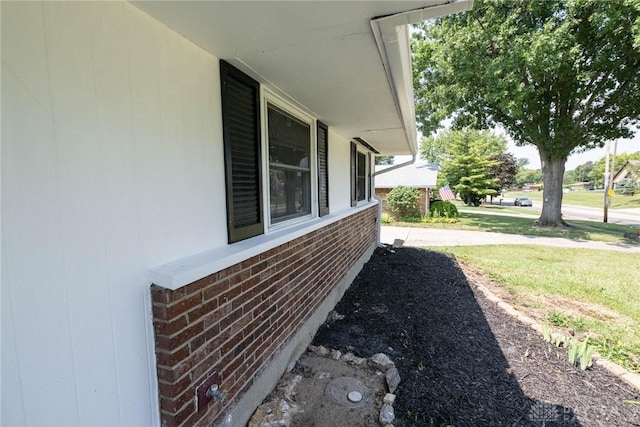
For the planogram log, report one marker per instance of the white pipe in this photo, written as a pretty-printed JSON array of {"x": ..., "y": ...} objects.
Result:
[{"x": 378, "y": 199}]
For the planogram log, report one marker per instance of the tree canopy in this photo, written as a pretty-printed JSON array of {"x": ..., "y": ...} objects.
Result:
[
  {"x": 558, "y": 74},
  {"x": 469, "y": 160}
]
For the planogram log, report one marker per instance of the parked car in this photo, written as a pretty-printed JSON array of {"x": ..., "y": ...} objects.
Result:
[{"x": 522, "y": 201}]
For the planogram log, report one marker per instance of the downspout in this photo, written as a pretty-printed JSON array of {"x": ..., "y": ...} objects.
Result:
[
  {"x": 391, "y": 34},
  {"x": 378, "y": 199}
]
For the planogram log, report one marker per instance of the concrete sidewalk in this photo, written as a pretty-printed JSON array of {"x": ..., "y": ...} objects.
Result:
[{"x": 425, "y": 237}]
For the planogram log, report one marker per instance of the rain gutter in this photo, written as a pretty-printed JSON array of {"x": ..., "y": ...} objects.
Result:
[{"x": 391, "y": 33}]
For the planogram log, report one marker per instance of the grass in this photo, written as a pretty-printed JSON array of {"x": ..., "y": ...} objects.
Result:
[
  {"x": 587, "y": 291},
  {"x": 592, "y": 199},
  {"x": 584, "y": 230}
]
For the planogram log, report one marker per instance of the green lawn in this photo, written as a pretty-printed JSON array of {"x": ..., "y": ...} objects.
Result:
[
  {"x": 585, "y": 230},
  {"x": 592, "y": 199},
  {"x": 589, "y": 292}
]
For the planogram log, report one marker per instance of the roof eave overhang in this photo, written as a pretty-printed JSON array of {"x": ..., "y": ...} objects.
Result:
[{"x": 392, "y": 37}]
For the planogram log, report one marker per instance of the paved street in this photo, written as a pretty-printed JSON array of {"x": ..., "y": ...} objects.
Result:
[
  {"x": 615, "y": 216},
  {"x": 425, "y": 237}
]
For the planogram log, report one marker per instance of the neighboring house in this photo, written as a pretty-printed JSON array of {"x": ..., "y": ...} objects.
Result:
[
  {"x": 186, "y": 195},
  {"x": 420, "y": 175},
  {"x": 631, "y": 169}
]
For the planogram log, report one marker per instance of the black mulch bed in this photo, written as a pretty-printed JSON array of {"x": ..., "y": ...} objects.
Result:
[{"x": 464, "y": 361}]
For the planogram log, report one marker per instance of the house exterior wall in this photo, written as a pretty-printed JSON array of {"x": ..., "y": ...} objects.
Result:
[
  {"x": 112, "y": 163},
  {"x": 236, "y": 320}
]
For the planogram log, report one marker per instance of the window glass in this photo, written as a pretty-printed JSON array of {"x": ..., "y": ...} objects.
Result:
[
  {"x": 289, "y": 165},
  {"x": 362, "y": 176}
]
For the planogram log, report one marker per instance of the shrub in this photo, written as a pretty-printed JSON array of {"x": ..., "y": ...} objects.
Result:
[
  {"x": 626, "y": 187},
  {"x": 403, "y": 201},
  {"x": 440, "y": 209},
  {"x": 386, "y": 218}
]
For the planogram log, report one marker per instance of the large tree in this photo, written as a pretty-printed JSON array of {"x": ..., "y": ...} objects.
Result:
[{"x": 558, "y": 74}]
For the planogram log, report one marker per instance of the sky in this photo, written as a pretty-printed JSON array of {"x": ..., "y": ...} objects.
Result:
[{"x": 531, "y": 153}]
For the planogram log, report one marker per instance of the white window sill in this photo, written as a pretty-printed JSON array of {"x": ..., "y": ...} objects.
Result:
[{"x": 187, "y": 270}]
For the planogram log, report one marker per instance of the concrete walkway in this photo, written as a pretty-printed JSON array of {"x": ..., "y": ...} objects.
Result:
[{"x": 425, "y": 237}]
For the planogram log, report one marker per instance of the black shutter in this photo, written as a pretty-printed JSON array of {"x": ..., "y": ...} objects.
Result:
[
  {"x": 242, "y": 153},
  {"x": 323, "y": 169},
  {"x": 354, "y": 173}
]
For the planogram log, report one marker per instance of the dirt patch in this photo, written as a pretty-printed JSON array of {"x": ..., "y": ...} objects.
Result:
[
  {"x": 323, "y": 390},
  {"x": 463, "y": 361},
  {"x": 537, "y": 306}
]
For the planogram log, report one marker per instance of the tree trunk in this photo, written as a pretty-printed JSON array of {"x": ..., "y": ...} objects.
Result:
[{"x": 552, "y": 174}]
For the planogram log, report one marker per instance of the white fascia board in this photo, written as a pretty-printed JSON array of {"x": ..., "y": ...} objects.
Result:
[{"x": 392, "y": 37}]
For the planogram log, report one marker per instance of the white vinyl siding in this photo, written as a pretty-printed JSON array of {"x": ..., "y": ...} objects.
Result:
[{"x": 111, "y": 163}]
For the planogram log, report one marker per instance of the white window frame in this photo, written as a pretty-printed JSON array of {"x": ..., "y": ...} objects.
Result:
[{"x": 269, "y": 98}]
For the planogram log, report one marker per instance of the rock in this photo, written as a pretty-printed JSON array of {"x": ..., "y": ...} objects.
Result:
[
  {"x": 393, "y": 378},
  {"x": 335, "y": 354},
  {"x": 275, "y": 413},
  {"x": 352, "y": 358},
  {"x": 389, "y": 398},
  {"x": 359, "y": 360},
  {"x": 319, "y": 350},
  {"x": 387, "y": 414},
  {"x": 334, "y": 316},
  {"x": 348, "y": 357},
  {"x": 287, "y": 384},
  {"x": 380, "y": 361}
]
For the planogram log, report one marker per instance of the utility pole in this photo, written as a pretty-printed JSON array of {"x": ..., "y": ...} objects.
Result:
[
  {"x": 613, "y": 165},
  {"x": 606, "y": 185}
]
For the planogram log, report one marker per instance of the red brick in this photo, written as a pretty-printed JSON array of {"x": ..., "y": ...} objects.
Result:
[
  {"x": 226, "y": 321},
  {"x": 248, "y": 263},
  {"x": 169, "y": 312},
  {"x": 170, "y": 328},
  {"x": 230, "y": 294},
  {"x": 202, "y": 310},
  {"x": 173, "y": 405},
  {"x": 223, "y": 274},
  {"x": 198, "y": 285},
  {"x": 230, "y": 344},
  {"x": 174, "y": 388},
  {"x": 172, "y": 343},
  {"x": 216, "y": 316},
  {"x": 241, "y": 335},
  {"x": 239, "y": 326},
  {"x": 215, "y": 290},
  {"x": 169, "y": 359},
  {"x": 209, "y": 364},
  {"x": 182, "y": 414}
]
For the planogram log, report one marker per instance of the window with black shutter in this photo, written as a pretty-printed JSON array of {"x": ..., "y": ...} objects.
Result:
[
  {"x": 354, "y": 173},
  {"x": 360, "y": 175},
  {"x": 242, "y": 153},
  {"x": 323, "y": 168}
]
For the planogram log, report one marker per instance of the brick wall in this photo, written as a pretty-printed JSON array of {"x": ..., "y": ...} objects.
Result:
[{"x": 234, "y": 321}]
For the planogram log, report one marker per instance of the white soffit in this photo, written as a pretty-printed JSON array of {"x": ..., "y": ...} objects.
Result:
[{"x": 331, "y": 58}]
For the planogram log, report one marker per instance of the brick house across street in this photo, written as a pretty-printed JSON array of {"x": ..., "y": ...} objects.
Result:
[
  {"x": 420, "y": 175},
  {"x": 186, "y": 193}
]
